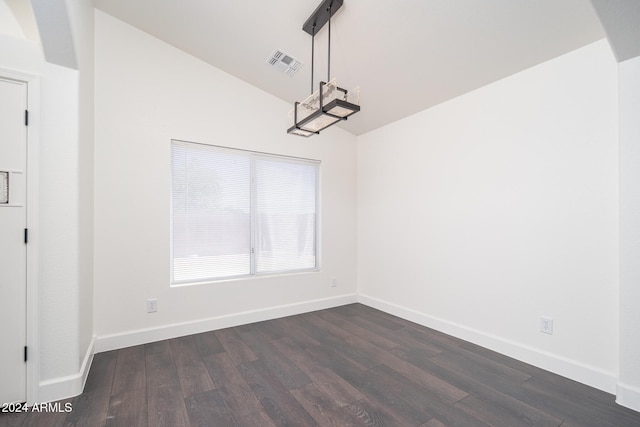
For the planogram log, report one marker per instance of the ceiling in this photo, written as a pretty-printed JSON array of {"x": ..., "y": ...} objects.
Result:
[
  {"x": 621, "y": 22},
  {"x": 406, "y": 55},
  {"x": 16, "y": 20}
]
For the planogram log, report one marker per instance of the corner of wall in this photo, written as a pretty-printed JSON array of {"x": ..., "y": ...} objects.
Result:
[
  {"x": 143, "y": 336},
  {"x": 572, "y": 369},
  {"x": 628, "y": 396},
  {"x": 67, "y": 386}
]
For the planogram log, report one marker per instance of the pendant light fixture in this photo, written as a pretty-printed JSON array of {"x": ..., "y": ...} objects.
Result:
[{"x": 329, "y": 104}]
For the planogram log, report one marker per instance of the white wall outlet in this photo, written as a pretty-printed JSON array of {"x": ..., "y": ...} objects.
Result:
[
  {"x": 546, "y": 325},
  {"x": 334, "y": 282},
  {"x": 152, "y": 305}
]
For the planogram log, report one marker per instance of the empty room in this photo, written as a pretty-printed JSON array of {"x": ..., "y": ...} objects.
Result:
[{"x": 320, "y": 213}]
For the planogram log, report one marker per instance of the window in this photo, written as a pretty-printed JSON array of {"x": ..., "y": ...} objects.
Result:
[{"x": 238, "y": 213}]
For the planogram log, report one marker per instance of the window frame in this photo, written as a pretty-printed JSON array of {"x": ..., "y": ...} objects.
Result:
[{"x": 253, "y": 228}]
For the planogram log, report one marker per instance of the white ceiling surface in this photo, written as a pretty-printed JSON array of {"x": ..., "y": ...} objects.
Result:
[
  {"x": 16, "y": 20},
  {"x": 621, "y": 21},
  {"x": 8, "y": 23},
  {"x": 406, "y": 55}
]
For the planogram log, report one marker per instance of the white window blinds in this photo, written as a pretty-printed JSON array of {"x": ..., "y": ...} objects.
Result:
[{"x": 238, "y": 213}]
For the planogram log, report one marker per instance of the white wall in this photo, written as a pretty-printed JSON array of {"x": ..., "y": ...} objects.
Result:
[
  {"x": 82, "y": 25},
  {"x": 81, "y": 14},
  {"x": 147, "y": 93},
  {"x": 629, "y": 384},
  {"x": 483, "y": 213},
  {"x": 56, "y": 232}
]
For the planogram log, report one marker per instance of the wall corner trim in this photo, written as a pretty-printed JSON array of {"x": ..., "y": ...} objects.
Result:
[
  {"x": 572, "y": 369},
  {"x": 68, "y": 386},
  {"x": 628, "y": 396}
]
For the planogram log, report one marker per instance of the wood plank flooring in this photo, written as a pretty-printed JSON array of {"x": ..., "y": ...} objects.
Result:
[{"x": 346, "y": 366}]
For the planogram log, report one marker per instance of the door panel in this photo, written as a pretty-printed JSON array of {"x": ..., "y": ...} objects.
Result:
[{"x": 13, "y": 259}]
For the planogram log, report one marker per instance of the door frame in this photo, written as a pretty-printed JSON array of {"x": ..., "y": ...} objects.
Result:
[{"x": 32, "y": 82}]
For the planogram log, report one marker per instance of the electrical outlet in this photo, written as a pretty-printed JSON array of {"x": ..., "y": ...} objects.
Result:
[
  {"x": 152, "y": 305},
  {"x": 546, "y": 325},
  {"x": 334, "y": 282}
]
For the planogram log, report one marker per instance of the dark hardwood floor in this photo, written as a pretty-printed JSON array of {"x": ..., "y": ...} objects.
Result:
[{"x": 350, "y": 365}]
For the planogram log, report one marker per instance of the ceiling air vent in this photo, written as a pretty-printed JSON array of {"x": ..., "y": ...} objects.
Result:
[{"x": 284, "y": 62}]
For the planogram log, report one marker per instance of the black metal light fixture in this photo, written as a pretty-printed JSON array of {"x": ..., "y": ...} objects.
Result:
[{"x": 329, "y": 104}]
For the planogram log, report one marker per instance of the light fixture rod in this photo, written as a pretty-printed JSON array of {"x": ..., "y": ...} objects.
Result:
[
  {"x": 329, "y": 49},
  {"x": 313, "y": 37}
]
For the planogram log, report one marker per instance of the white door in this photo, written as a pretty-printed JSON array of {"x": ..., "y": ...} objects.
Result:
[{"x": 13, "y": 251}]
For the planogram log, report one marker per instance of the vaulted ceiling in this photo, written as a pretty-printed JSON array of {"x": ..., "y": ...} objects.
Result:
[{"x": 406, "y": 55}]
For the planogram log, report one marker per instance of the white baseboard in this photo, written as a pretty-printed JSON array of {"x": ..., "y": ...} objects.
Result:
[
  {"x": 69, "y": 386},
  {"x": 585, "y": 374},
  {"x": 143, "y": 336},
  {"x": 628, "y": 396}
]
